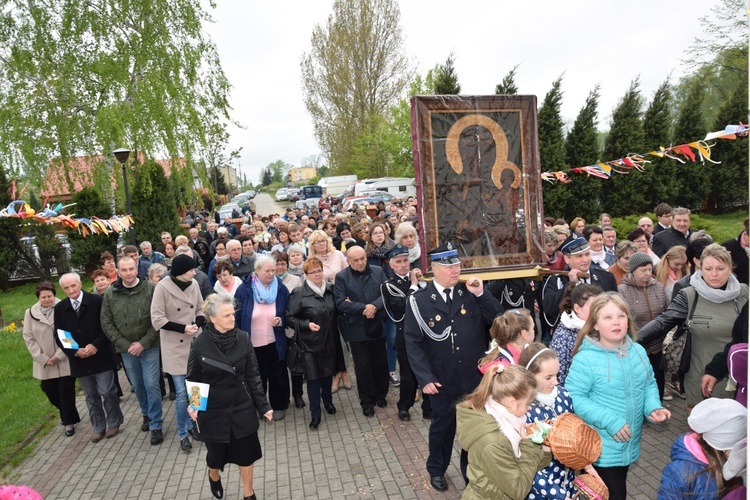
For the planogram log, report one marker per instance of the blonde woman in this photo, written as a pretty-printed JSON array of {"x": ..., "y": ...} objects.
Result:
[
  {"x": 672, "y": 267},
  {"x": 406, "y": 234},
  {"x": 321, "y": 247}
]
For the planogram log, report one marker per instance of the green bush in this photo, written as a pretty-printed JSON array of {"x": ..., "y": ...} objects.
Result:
[{"x": 721, "y": 227}]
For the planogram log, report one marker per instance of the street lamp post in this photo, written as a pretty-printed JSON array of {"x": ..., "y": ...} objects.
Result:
[{"x": 122, "y": 156}]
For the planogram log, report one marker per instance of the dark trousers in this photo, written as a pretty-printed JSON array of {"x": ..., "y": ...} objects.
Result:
[
  {"x": 616, "y": 479},
  {"x": 273, "y": 376},
  {"x": 297, "y": 385},
  {"x": 61, "y": 392},
  {"x": 317, "y": 388},
  {"x": 442, "y": 432},
  {"x": 407, "y": 391},
  {"x": 371, "y": 369},
  {"x": 656, "y": 364}
]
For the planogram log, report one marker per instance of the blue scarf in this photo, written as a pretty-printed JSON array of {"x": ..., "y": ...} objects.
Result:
[{"x": 265, "y": 294}]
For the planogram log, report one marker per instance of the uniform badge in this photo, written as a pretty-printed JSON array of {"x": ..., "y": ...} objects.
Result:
[
  {"x": 595, "y": 277},
  {"x": 460, "y": 293},
  {"x": 532, "y": 284},
  {"x": 437, "y": 318},
  {"x": 433, "y": 297},
  {"x": 510, "y": 292},
  {"x": 449, "y": 246},
  {"x": 463, "y": 311},
  {"x": 431, "y": 324}
]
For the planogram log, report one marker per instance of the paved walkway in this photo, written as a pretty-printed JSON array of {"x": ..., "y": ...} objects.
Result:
[{"x": 349, "y": 456}]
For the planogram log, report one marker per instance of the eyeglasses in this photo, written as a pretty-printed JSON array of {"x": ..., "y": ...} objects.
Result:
[
  {"x": 319, "y": 241},
  {"x": 317, "y": 271}
]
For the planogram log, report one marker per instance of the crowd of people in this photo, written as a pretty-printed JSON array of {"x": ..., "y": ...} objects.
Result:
[{"x": 261, "y": 309}]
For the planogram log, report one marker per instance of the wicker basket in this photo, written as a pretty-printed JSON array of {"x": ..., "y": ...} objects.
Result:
[
  {"x": 590, "y": 488},
  {"x": 573, "y": 443}
]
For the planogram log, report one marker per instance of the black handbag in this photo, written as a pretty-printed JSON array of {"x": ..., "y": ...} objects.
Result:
[
  {"x": 678, "y": 348},
  {"x": 295, "y": 356}
]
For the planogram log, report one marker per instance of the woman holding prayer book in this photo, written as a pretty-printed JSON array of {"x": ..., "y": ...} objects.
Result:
[{"x": 223, "y": 358}]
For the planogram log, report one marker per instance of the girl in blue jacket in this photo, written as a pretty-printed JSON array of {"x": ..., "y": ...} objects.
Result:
[{"x": 613, "y": 388}]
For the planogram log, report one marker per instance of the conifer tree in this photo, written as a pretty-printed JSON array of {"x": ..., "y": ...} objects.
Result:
[
  {"x": 659, "y": 180},
  {"x": 552, "y": 151},
  {"x": 153, "y": 210},
  {"x": 446, "y": 79},
  {"x": 622, "y": 194},
  {"x": 508, "y": 85},
  {"x": 729, "y": 180},
  {"x": 693, "y": 180},
  {"x": 582, "y": 148}
]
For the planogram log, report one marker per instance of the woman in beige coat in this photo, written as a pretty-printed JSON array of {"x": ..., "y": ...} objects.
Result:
[
  {"x": 176, "y": 311},
  {"x": 50, "y": 362}
]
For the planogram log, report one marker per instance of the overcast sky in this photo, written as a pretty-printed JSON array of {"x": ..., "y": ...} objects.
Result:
[{"x": 589, "y": 41}]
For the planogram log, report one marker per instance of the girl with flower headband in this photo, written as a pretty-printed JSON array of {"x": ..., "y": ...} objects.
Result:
[
  {"x": 511, "y": 332},
  {"x": 552, "y": 400},
  {"x": 490, "y": 425}
]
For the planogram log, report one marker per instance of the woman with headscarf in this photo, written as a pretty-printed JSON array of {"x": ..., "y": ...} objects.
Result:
[
  {"x": 261, "y": 305},
  {"x": 647, "y": 300},
  {"x": 222, "y": 358},
  {"x": 176, "y": 311},
  {"x": 50, "y": 365}
]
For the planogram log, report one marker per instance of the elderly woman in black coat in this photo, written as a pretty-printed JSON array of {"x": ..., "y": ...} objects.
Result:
[
  {"x": 311, "y": 311},
  {"x": 223, "y": 358}
]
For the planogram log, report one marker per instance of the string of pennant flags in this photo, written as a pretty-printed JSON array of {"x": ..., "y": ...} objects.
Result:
[
  {"x": 53, "y": 215},
  {"x": 699, "y": 150}
]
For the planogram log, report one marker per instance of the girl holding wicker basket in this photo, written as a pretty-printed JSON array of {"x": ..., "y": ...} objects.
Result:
[
  {"x": 552, "y": 400},
  {"x": 613, "y": 388},
  {"x": 491, "y": 428}
]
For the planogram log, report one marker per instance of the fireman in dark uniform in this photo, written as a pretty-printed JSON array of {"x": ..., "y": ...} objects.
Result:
[
  {"x": 517, "y": 293},
  {"x": 444, "y": 330},
  {"x": 396, "y": 290},
  {"x": 577, "y": 256}
]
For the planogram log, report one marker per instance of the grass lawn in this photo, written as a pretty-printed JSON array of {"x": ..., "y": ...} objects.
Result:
[{"x": 26, "y": 414}]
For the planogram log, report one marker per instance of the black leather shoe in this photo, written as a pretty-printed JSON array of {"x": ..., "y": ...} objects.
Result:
[
  {"x": 382, "y": 403},
  {"x": 314, "y": 423},
  {"x": 172, "y": 396},
  {"x": 368, "y": 412},
  {"x": 156, "y": 436},
  {"x": 194, "y": 434},
  {"x": 70, "y": 430},
  {"x": 439, "y": 483},
  {"x": 299, "y": 402},
  {"x": 185, "y": 444},
  {"x": 251, "y": 497},
  {"x": 404, "y": 416},
  {"x": 330, "y": 408},
  {"x": 144, "y": 425},
  {"x": 217, "y": 489},
  {"x": 427, "y": 415}
]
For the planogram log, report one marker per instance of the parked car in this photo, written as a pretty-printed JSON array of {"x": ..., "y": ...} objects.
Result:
[
  {"x": 281, "y": 194},
  {"x": 381, "y": 195},
  {"x": 227, "y": 209},
  {"x": 251, "y": 194},
  {"x": 306, "y": 204},
  {"x": 293, "y": 194}
]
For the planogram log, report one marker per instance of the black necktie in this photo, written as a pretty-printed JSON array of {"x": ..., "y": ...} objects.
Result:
[{"x": 448, "y": 300}]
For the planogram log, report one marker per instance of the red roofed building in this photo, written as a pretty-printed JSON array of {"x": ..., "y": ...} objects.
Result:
[{"x": 82, "y": 171}]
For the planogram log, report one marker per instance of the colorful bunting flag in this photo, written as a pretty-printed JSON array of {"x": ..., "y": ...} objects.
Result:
[{"x": 633, "y": 161}]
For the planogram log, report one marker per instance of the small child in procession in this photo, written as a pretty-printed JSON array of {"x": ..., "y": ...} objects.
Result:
[
  {"x": 699, "y": 457},
  {"x": 574, "y": 311},
  {"x": 511, "y": 332},
  {"x": 491, "y": 428},
  {"x": 552, "y": 400},
  {"x": 613, "y": 388}
]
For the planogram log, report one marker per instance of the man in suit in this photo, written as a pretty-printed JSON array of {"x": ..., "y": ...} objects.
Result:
[
  {"x": 92, "y": 357},
  {"x": 445, "y": 333},
  {"x": 357, "y": 294},
  {"x": 577, "y": 255},
  {"x": 396, "y": 291},
  {"x": 678, "y": 234}
]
